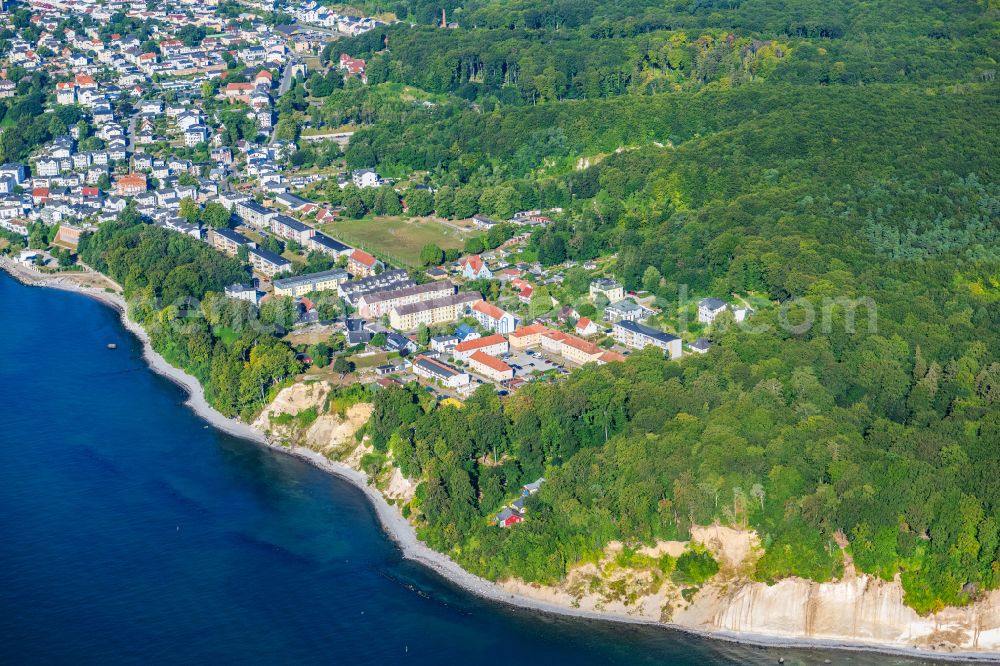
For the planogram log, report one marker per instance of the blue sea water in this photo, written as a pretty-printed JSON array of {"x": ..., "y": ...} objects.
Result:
[{"x": 130, "y": 532}]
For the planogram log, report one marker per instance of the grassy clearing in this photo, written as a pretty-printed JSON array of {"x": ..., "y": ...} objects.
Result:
[
  {"x": 395, "y": 238},
  {"x": 370, "y": 361}
]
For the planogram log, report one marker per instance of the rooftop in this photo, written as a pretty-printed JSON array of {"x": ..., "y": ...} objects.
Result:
[
  {"x": 310, "y": 278},
  {"x": 479, "y": 343},
  {"x": 491, "y": 362}
]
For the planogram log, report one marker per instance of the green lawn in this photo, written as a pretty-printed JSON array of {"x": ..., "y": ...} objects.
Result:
[
  {"x": 398, "y": 240},
  {"x": 226, "y": 334}
]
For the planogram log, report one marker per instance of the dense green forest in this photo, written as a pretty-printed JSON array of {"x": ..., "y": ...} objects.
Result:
[
  {"x": 526, "y": 52},
  {"x": 173, "y": 284},
  {"x": 837, "y": 159}
]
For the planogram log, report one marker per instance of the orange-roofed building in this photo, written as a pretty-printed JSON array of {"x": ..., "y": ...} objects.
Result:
[
  {"x": 580, "y": 351},
  {"x": 66, "y": 93},
  {"x": 552, "y": 341},
  {"x": 238, "y": 91},
  {"x": 85, "y": 82},
  {"x": 490, "y": 367},
  {"x": 527, "y": 336},
  {"x": 611, "y": 357},
  {"x": 473, "y": 268},
  {"x": 130, "y": 185},
  {"x": 525, "y": 295},
  {"x": 494, "y": 345},
  {"x": 494, "y": 318},
  {"x": 362, "y": 264},
  {"x": 585, "y": 327}
]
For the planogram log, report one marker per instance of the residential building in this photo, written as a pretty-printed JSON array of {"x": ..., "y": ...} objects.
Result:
[
  {"x": 194, "y": 135},
  {"x": 435, "y": 311},
  {"x": 130, "y": 185},
  {"x": 268, "y": 263},
  {"x": 227, "y": 240},
  {"x": 493, "y": 318},
  {"x": 65, "y": 93},
  {"x": 495, "y": 345},
  {"x": 710, "y": 308},
  {"x": 362, "y": 264},
  {"x": 435, "y": 370},
  {"x": 490, "y": 367},
  {"x": 244, "y": 292},
  {"x": 393, "y": 279},
  {"x": 442, "y": 343},
  {"x": 374, "y": 305},
  {"x": 637, "y": 336},
  {"x": 625, "y": 310},
  {"x": 399, "y": 343},
  {"x": 473, "y": 267},
  {"x": 290, "y": 228},
  {"x": 300, "y": 285},
  {"x": 508, "y": 517},
  {"x": 585, "y": 327},
  {"x": 610, "y": 289},
  {"x": 525, "y": 337},
  {"x": 366, "y": 178},
  {"x": 483, "y": 222},
  {"x": 254, "y": 214},
  {"x": 580, "y": 351},
  {"x": 700, "y": 346},
  {"x": 323, "y": 243}
]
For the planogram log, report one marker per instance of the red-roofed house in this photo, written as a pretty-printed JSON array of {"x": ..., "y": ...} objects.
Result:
[
  {"x": 85, "y": 82},
  {"x": 527, "y": 336},
  {"x": 580, "y": 351},
  {"x": 353, "y": 66},
  {"x": 585, "y": 327},
  {"x": 473, "y": 267},
  {"x": 611, "y": 357},
  {"x": 490, "y": 367},
  {"x": 39, "y": 195},
  {"x": 130, "y": 185},
  {"x": 263, "y": 78},
  {"x": 238, "y": 91},
  {"x": 491, "y": 344},
  {"x": 362, "y": 264},
  {"x": 494, "y": 318},
  {"x": 65, "y": 93}
]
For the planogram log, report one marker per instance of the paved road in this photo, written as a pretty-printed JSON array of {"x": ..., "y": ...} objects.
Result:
[
  {"x": 286, "y": 78},
  {"x": 284, "y": 86},
  {"x": 130, "y": 134}
]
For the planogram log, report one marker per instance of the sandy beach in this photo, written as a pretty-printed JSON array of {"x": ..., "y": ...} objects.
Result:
[{"x": 399, "y": 528}]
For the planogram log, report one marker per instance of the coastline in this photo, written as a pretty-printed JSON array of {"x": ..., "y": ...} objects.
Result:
[{"x": 402, "y": 533}]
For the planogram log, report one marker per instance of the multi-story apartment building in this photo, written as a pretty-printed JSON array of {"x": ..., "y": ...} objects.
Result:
[
  {"x": 637, "y": 336},
  {"x": 300, "y": 285},
  {"x": 435, "y": 311}
]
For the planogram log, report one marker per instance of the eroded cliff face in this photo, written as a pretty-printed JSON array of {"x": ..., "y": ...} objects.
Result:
[
  {"x": 327, "y": 433},
  {"x": 857, "y": 609},
  {"x": 331, "y": 434}
]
